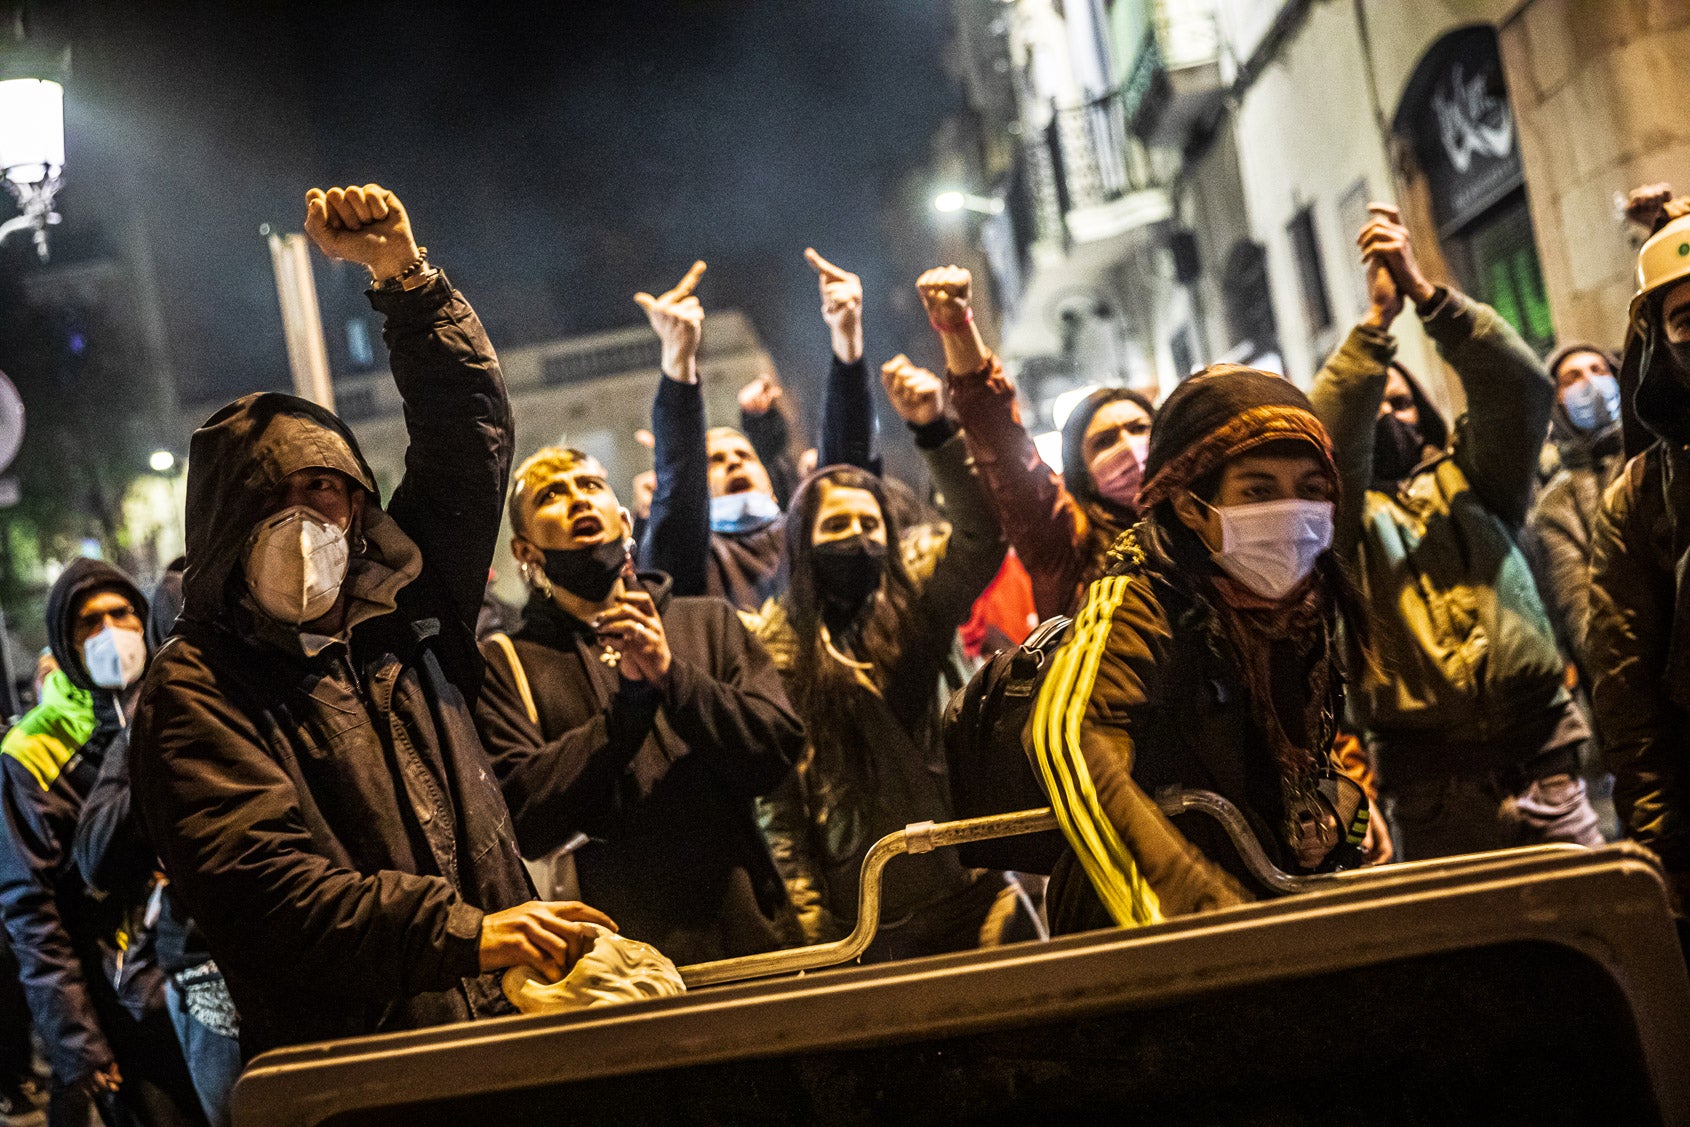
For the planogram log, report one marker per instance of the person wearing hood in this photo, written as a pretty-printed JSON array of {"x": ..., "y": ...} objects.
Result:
[
  {"x": 1207, "y": 656},
  {"x": 1585, "y": 430},
  {"x": 116, "y": 860},
  {"x": 1467, "y": 717},
  {"x": 647, "y": 722},
  {"x": 305, "y": 754},
  {"x": 1060, "y": 525},
  {"x": 89, "y": 967},
  {"x": 715, "y": 526},
  {"x": 1639, "y": 607},
  {"x": 863, "y": 635}
]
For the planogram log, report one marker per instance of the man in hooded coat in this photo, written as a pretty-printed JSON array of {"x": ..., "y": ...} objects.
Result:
[
  {"x": 305, "y": 759},
  {"x": 89, "y": 971}
]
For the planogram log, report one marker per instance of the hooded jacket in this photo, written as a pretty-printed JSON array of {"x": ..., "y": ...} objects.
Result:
[
  {"x": 1640, "y": 615},
  {"x": 661, "y": 779},
  {"x": 1471, "y": 677},
  {"x": 324, "y": 806},
  {"x": 67, "y": 943},
  {"x": 1562, "y": 519},
  {"x": 1060, "y": 538}
]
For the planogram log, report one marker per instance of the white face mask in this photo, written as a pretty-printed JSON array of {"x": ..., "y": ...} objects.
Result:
[
  {"x": 115, "y": 657},
  {"x": 1270, "y": 547},
  {"x": 296, "y": 565}
]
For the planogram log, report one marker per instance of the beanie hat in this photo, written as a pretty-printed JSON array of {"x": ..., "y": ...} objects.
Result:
[{"x": 1218, "y": 414}]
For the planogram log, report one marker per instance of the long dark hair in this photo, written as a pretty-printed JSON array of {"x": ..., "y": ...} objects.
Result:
[{"x": 821, "y": 686}]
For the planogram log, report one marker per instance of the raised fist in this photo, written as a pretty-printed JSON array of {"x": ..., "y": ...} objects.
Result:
[
  {"x": 1645, "y": 204},
  {"x": 678, "y": 320},
  {"x": 945, "y": 292},
  {"x": 365, "y": 225},
  {"x": 1386, "y": 241},
  {"x": 760, "y": 395},
  {"x": 916, "y": 393},
  {"x": 842, "y": 306}
]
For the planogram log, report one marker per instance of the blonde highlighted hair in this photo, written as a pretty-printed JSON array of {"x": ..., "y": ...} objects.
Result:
[{"x": 538, "y": 469}]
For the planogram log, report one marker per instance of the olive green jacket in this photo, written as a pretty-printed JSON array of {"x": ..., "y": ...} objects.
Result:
[{"x": 1465, "y": 653}]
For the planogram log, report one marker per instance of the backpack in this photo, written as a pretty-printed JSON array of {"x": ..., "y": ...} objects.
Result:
[{"x": 989, "y": 769}]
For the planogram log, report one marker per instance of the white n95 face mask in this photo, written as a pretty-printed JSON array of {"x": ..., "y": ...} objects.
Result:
[
  {"x": 296, "y": 564},
  {"x": 115, "y": 657},
  {"x": 1271, "y": 546}
]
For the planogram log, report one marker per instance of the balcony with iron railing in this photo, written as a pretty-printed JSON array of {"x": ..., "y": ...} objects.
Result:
[
  {"x": 1088, "y": 178},
  {"x": 1175, "y": 78}
]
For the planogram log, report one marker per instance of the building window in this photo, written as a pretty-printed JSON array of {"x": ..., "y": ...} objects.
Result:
[{"x": 1311, "y": 275}]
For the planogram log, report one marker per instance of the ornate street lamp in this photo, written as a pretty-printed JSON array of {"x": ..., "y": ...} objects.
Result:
[{"x": 32, "y": 153}]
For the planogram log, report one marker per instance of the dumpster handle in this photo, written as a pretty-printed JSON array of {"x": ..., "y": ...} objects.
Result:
[{"x": 919, "y": 837}]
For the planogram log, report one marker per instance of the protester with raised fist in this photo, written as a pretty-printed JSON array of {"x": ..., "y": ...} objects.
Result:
[
  {"x": 304, "y": 756},
  {"x": 1060, "y": 525}
]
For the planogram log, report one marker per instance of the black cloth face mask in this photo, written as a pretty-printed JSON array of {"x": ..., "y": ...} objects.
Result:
[
  {"x": 1397, "y": 449},
  {"x": 587, "y": 573},
  {"x": 848, "y": 571},
  {"x": 1680, "y": 353}
]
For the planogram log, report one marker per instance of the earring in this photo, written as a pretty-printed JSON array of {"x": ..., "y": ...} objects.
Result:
[{"x": 535, "y": 578}]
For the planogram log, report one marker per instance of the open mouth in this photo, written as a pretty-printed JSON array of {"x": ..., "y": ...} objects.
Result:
[
  {"x": 582, "y": 528},
  {"x": 739, "y": 483}
]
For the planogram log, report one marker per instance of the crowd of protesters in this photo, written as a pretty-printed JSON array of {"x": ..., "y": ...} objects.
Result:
[{"x": 310, "y": 789}]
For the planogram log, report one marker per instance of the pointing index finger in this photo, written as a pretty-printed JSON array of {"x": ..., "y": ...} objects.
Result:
[{"x": 823, "y": 267}]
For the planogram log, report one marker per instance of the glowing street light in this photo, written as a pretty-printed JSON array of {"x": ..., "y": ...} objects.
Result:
[
  {"x": 32, "y": 153},
  {"x": 162, "y": 461},
  {"x": 951, "y": 202}
]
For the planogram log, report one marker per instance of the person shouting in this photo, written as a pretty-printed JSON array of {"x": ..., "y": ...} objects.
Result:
[{"x": 644, "y": 721}]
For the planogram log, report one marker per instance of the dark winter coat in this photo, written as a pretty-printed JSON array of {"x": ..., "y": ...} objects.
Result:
[
  {"x": 661, "y": 780},
  {"x": 1472, "y": 677},
  {"x": 1640, "y": 617},
  {"x": 67, "y": 942},
  {"x": 324, "y": 807}
]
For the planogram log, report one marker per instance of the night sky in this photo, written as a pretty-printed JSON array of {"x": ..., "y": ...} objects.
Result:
[{"x": 555, "y": 157}]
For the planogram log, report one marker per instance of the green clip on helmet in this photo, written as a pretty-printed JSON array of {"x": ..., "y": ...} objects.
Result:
[{"x": 1662, "y": 262}]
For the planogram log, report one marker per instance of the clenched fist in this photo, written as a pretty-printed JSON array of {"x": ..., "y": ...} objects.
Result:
[
  {"x": 1644, "y": 205},
  {"x": 842, "y": 306},
  {"x": 945, "y": 292},
  {"x": 916, "y": 393},
  {"x": 678, "y": 320},
  {"x": 366, "y": 225},
  {"x": 759, "y": 397}
]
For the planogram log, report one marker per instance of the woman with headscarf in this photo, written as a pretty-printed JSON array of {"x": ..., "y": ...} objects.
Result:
[
  {"x": 1205, "y": 657},
  {"x": 863, "y": 635},
  {"x": 1060, "y": 525}
]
